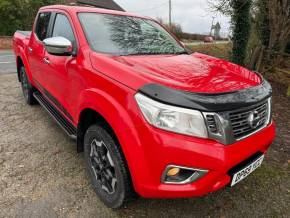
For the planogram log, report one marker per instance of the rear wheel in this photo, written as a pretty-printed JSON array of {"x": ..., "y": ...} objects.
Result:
[
  {"x": 106, "y": 167},
  {"x": 27, "y": 88}
]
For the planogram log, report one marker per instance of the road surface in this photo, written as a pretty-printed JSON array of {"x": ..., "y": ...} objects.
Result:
[
  {"x": 7, "y": 62},
  {"x": 202, "y": 43}
]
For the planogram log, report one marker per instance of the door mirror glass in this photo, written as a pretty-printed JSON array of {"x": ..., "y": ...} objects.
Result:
[{"x": 58, "y": 46}]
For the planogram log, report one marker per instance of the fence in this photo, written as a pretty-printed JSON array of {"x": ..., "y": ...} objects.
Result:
[{"x": 5, "y": 42}]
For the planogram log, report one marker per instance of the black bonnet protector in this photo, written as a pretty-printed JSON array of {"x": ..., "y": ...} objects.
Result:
[{"x": 209, "y": 102}]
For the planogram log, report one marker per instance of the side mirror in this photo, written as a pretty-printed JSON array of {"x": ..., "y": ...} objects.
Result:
[{"x": 58, "y": 46}]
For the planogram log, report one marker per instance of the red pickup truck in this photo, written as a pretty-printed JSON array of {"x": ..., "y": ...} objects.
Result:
[{"x": 151, "y": 118}]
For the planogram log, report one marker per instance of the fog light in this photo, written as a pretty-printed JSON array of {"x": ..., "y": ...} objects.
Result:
[
  {"x": 173, "y": 171},
  {"x": 181, "y": 175}
]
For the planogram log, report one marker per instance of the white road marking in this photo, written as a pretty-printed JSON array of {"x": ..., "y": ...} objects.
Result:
[
  {"x": 7, "y": 62},
  {"x": 6, "y": 56}
]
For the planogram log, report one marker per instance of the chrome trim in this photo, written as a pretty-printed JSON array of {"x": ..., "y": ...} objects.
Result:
[
  {"x": 262, "y": 127},
  {"x": 58, "y": 46},
  {"x": 191, "y": 179},
  {"x": 226, "y": 134},
  {"x": 46, "y": 60}
]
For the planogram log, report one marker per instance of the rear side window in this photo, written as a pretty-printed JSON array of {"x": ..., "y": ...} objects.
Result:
[
  {"x": 63, "y": 28},
  {"x": 41, "y": 29}
]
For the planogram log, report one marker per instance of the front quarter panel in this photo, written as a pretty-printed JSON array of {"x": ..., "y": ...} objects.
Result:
[{"x": 117, "y": 106}]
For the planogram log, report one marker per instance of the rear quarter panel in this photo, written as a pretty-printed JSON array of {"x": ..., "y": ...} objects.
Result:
[{"x": 20, "y": 45}]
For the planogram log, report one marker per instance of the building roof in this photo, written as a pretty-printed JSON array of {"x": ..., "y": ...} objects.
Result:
[{"x": 107, "y": 4}]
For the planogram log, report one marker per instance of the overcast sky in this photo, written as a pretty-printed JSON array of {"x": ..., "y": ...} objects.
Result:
[{"x": 193, "y": 15}]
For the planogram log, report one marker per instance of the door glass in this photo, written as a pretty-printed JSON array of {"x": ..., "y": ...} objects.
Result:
[
  {"x": 41, "y": 28},
  {"x": 63, "y": 28}
]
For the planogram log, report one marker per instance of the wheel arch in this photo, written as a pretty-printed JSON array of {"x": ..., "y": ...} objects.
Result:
[
  {"x": 21, "y": 60},
  {"x": 97, "y": 105},
  {"x": 89, "y": 117}
]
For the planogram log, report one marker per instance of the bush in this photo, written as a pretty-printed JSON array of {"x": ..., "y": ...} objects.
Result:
[{"x": 19, "y": 14}]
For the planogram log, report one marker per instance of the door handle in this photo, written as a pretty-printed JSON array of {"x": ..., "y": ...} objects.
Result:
[
  {"x": 30, "y": 50},
  {"x": 46, "y": 60}
]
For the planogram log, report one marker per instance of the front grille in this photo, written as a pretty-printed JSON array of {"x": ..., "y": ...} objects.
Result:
[{"x": 248, "y": 121}]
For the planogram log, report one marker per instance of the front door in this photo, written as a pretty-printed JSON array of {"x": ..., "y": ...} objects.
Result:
[{"x": 60, "y": 68}]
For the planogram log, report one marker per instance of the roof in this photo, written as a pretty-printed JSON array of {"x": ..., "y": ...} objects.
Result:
[
  {"x": 108, "y": 4},
  {"x": 78, "y": 9}
]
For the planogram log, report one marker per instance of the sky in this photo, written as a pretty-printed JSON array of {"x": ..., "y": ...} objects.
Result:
[{"x": 194, "y": 16}]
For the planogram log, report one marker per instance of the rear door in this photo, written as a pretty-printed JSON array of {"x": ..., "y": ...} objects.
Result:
[{"x": 36, "y": 46}]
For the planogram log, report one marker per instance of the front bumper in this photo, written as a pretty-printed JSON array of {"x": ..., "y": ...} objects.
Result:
[{"x": 161, "y": 148}]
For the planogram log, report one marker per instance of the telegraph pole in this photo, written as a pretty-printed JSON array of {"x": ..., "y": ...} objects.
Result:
[{"x": 170, "y": 13}]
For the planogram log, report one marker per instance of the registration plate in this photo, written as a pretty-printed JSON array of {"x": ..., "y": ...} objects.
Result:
[{"x": 243, "y": 173}]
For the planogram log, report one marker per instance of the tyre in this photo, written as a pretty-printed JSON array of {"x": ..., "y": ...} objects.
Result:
[
  {"x": 27, "y": 88},
  {"x": 106, "y": 167}
]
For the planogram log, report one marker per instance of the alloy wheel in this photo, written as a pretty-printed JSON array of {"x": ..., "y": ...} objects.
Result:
[
  {"x": 103, "y": 166},
  {"x": 24, "y": 84}
]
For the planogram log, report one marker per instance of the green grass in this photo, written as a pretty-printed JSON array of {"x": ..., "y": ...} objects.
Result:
[{"x": 222, "y": 51}]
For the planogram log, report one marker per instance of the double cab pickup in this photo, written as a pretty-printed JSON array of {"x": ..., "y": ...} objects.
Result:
[{"x": 151, "y": 118}]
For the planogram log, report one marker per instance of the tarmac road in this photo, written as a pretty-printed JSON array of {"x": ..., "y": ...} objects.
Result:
[
  {"x": 7, "y": 62},
  {"x": 203, "y": 43}
]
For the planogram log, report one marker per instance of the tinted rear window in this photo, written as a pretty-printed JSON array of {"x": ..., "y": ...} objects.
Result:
[{"x": 42, "y": 23}]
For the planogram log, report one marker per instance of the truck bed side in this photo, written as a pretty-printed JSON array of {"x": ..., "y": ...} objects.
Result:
[{"x": 20, "y": 44}]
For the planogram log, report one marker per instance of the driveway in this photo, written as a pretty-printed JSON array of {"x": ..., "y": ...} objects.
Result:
[
  {"x": 7, "y": 62},
  {"x": 41, "y": 175}
]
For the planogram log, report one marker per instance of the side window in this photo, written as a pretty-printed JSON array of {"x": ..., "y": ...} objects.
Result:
[
  {"x": 42, "y": 23},
  {"x": 63, "y": 28}
]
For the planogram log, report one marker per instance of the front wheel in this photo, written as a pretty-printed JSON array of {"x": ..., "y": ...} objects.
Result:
[
  {"x": 27, "y": 88},
  {"x": 106, "y": 167}
]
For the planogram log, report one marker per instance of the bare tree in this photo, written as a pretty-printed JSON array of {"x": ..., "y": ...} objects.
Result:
[
  {"x": 220, "y": 6},
  {"x": 175, "y": 28},
  {"x": 279, "y": 22}
]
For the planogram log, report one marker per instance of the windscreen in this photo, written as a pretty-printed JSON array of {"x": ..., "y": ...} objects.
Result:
[{"x": 124, "y": 35}]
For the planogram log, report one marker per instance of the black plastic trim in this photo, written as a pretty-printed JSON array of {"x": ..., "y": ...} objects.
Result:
[
  {"x": 65, "y": 124},
  {"x": 208, "y": 102},
  {"x": 244, "y": 163},
  {"x": 53, "y": 100}
]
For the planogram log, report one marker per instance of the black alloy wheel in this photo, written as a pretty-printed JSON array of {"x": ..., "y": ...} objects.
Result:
[
  {"x": 103, "y": 166},
  {"x": 27, "y": 88},
  {"x": 107, "y": 167}
]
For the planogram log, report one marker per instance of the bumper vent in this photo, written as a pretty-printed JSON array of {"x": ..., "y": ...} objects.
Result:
[{"x": 212, "y": 127}]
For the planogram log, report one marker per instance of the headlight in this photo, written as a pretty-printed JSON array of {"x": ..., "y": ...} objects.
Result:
[{"x": 170, "y": 118}]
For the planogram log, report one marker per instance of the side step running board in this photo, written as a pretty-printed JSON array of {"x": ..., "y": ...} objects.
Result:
[{"x": 56, "y": 115}]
